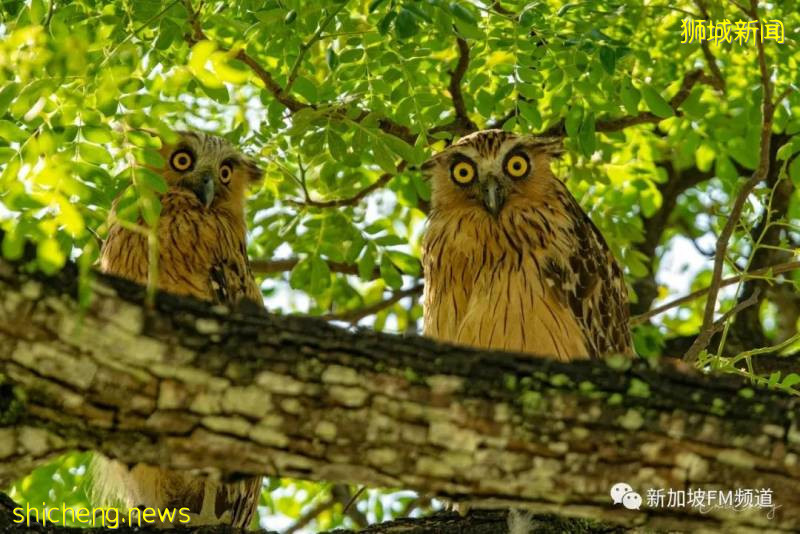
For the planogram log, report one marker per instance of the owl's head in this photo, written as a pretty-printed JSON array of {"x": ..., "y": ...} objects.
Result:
[
  {"x": 491, "y": 169},
  {"x": 210, "y": 168}
]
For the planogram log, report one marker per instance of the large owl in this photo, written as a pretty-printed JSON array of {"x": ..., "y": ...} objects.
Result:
[
  {"x": 511, "y": 260},
  {"x": 201, "y": 253}
]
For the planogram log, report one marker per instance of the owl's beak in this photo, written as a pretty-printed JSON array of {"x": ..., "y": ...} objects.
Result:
[
  {"x": 203, "y": 187},
  {"x": 493, "y": 195}
]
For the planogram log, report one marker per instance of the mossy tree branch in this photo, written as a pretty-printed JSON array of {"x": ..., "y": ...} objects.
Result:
[{"x": 187, "y": 386}]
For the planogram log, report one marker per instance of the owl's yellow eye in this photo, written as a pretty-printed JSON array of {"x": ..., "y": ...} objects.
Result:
[
  {"x": 225, "y": 173},
  {"x": 182, "y": 160},
  {"x": 463, "y": 172},
  {"x": 517, "y": 166}
]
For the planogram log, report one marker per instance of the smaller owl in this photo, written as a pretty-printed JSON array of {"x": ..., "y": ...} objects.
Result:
[
  {"x": 202, "y": 253},
  {"x": 202, "y": 227},
  {"x": 511, "y": 261}
]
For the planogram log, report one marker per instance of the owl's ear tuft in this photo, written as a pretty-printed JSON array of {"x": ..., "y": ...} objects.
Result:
[
  {"x": 549, "y": 145},
  {"x": 254, "y": 173},
  {"x": 428, "y": 166}
]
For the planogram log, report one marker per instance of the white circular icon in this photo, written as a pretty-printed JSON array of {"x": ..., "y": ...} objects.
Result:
[
  {"x": 632, "y": 500},
  {"x": 619, "y": 490},
  {"x": 622, "y": 493}
]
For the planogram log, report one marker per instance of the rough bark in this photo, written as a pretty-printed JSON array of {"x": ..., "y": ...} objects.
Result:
[{"x": 187, "y": 386}]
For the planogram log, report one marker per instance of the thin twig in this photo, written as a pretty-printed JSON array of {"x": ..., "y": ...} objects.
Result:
[
  {"x": 717, "y": 80},
  {"x": 341, "y": 492},
  {"x": 719, "y": 324},
  {"x": 284, "y": 265},
  {"x": 353, "y": 499},
  {"x": 310, "y": 515},
  {"x": 689, "y": 80},
  {"x": 774, "y": 269},
  {"x": 308, "y": 44},
  {"x": 349, "y": 201},
  {"x": 766, "y": 350},
  {"x": 354, "y": 316},
  {"x": 768, "y": 109},
  {"x": 614, "y": 125}
]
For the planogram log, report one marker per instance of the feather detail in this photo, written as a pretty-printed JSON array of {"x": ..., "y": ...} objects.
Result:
[{"x": 537, "y": 277}]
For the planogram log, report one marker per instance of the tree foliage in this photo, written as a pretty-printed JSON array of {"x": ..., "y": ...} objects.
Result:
[{"x": 342, "y": 100}]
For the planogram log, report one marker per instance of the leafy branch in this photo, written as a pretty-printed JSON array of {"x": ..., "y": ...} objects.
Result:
[
  {"x": 353, "y": 316},
  {"x": 308, "y": 44},
  {"x": 707, "y": 329},
  {"x": 461, "y": 123},
  {"x": 282, "y": 94},
  {"x": 694, "y": 295}
]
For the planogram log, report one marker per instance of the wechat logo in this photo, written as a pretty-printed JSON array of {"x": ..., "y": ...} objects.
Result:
[{"x": 622, "y": 493}]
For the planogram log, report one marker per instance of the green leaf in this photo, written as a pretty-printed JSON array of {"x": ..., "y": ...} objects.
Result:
[
  {"x": 220, "y": 94},
  {"x": 6, "y": 154},
  {"x": 374, "y": 4},
  {"x": 566, "y": 7},
  {"x": 11, "y": 132},
  {"x": 351, "y": 55},
  {"x": 586, "y": 135},
  {"x": 572, "y": 122},
  {"x": 97, "y": 134},
  {"x": 630, "y": 97},
  {"x": 405, "y": 25},
  {"x": 331, "y": 58},
  {"x": 13, "y": 243},
  {"x": 656, "y": 103},
  {"x": 463, "y": 13},
  {"x": 320, "y": 275},
  {"x": 152, "y": 180},
  {"x": 37, "y": 11},
  {"x": 383, "y": 158},
  {"x": 366, "y": 263},
  {"x": 300, "y": 277},
  {"x": 408, "y": 264},
  {"x": 94, "y": 154},
  {"x": 305, "y": 88},
  {"x": 336, "y": 145},
  {"x": 291, "y": 16},
  {"x": 607, "y": 58},
  {"x": 7, "y": 95},
  {"x": 794, "y": 171},
  {"x": 390, "y": 274},
  {"x": 385, "y": 23},
  {"x": 402, "y": 149},
  {"x": 790, "y": 380},
  {"x": 50, "y": 256},
  {"x": 789, "y": 148}
]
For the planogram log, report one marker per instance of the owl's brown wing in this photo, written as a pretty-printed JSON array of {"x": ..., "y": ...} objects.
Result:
[
  {"x": 231, "y": 281},
  {"x": 589, "y": 281}
]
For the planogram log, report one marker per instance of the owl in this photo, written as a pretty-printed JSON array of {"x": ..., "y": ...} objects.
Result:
[
  {"x": 510, "y": 259},
  {"x": 201, "y": 253}
]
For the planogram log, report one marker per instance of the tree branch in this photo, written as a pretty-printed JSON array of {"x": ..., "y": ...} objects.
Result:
[
  {"x": 283, "y": 96},
  {"x": 717, "y": 80},
  {"x": 353, "y": 200},
  {"x": 353, "y": 316},
  {"x": 768, "y": 109},
  {"x": 461, "y": 124},
  {"x": 308, "y": 44},
  {"x": 614, "y": 125},
  {"x": 772, "y": 269},
  {"x": 188, "y": 386}
]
